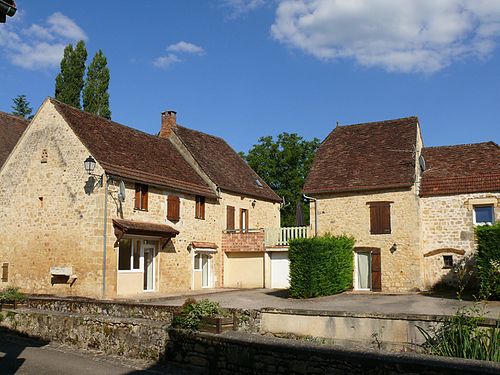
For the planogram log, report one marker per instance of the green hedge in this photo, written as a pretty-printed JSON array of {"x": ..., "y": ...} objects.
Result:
[
  {"x": 488, "y": 260},
  {"x": 320, "y": 266}
]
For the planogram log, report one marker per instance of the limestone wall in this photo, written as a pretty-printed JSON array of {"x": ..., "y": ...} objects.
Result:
[
  {"x": 447, "y": 223},
  {"x": 350, "y": 214}
]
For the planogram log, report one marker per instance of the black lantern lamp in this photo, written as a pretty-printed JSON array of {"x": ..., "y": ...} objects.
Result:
[{"x": 89, "y": 164}]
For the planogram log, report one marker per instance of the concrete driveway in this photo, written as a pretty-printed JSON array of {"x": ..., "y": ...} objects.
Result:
[{"x": 345, "y": 302}]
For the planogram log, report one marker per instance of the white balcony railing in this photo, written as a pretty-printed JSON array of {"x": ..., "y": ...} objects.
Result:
[{"x": 281, "y": 236}]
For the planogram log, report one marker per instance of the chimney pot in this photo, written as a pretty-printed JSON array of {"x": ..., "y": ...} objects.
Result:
[{"x": 168, "y": 123}]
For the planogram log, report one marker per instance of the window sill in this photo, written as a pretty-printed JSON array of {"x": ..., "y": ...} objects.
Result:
[{"x": 140, "y": 209}]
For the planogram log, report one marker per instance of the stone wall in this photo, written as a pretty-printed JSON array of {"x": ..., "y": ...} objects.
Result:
[
  {"x": 236, "y": 353},
  {"x": 447, "y": 225},
  {"x": 350, "y": 214}
]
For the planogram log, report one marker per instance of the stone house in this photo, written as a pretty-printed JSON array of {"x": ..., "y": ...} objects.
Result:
[
  {"x": 411, "y": 209},
  {"x": 148, "y": 214}
]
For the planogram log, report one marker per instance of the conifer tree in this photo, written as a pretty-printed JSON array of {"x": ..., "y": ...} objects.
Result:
[
  {"x": 95, "y": 92},
  {"x": 22, "y": 107},
  {"x": 69, "y": 82}
]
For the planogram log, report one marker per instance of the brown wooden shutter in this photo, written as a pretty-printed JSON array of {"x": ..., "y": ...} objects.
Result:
[
  {"x": 200, "y": 207},
  {"x": 173, "y": 208},
  {"x": 385, "y": 218},
  {"x": 374, "y": 219},
  {"x": 380, "y": 217},
  {"x": 5, "y": 272},
  {"x": 230, "y": 218},
  {"x": 144, "y": 193},
  {"x": 246, "y": 220},
  {"x": 137, "y": 204},
  {"x": 376, "y": 271}
]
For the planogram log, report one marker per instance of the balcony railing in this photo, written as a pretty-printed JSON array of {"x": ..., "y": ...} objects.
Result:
[{"x": 281, "y": 236}]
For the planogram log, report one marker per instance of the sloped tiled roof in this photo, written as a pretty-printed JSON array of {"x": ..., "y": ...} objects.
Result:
[
  {"x": 132, "y": 154},
  {"x": 223, "y": 165},
  {"x": 11, "y": 128},
  {"x": 470, "y": 168},
  {"x": 369, "y": 156}
]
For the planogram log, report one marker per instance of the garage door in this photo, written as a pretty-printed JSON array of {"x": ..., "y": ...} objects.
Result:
[{"x": 280, "y": 270}]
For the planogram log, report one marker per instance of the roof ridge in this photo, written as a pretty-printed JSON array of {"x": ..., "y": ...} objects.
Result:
[
  {"x": 14, "y": 116},
  {"x": 199, "y": 131},
  {"x": 465, "y": 144},
  {"x": 382, "y": 122}
]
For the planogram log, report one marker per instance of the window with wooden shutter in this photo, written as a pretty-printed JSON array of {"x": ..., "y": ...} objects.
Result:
[
  {"x": 200, "y": 207},
  {"x": 243, "y": 220},
  {"x": 380, "y": 217},
  {"x": 141, "y": 197},
  {"x": 230, "y": 218},
  {"x": 173, "y": 208}
]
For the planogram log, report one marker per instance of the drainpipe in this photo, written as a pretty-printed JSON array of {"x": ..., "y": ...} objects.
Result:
[
  {"x": 106, "y": 189},
  {"x": 315, "y": 212}
]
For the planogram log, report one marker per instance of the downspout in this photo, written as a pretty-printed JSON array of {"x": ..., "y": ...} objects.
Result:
[
  {"x": 105, "y": 232},
  {"x": 315, "y": 213}
]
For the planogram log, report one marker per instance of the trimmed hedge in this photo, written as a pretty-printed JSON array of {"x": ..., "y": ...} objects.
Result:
[
  {"x": 320, "y": 266},
  {"x": 488, "y": 260}
]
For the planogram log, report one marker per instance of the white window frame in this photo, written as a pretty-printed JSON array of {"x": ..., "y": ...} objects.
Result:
[
  {"x": 199, "y": 262},
  {"x": 492, "y": 214},
  {"x": 141, "y": 257}
]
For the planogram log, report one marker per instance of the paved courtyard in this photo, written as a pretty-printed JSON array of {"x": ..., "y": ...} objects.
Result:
[{"x": 345, "y": 302}]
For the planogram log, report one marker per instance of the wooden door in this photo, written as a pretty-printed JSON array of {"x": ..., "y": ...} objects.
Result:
[{"x": 376, "y": 271}]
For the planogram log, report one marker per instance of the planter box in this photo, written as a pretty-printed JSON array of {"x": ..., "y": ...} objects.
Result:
[
  {"x": 216, "y": 325},
  {"x": 12, "y": 305}
]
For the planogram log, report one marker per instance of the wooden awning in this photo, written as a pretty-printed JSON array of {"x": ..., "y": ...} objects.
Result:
[
  {"x": 203, "y": 247},
  {"x": 140, "y": 228}
]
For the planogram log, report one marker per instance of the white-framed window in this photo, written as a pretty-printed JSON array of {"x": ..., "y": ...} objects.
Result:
[
  {"x": 197, "y": 262},
  {"x": 129, "y": 255},
  {"x": 484, "y": 215}
]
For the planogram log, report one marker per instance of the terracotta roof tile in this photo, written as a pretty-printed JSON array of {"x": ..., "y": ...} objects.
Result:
[
  {"x": 141, "y": 227},
  {"x": 132, "y": 154},
  {"x": 370, "y": 156},
  {"x": 470, "y": 168},
  {"x": 223, "y": 165},
  {"x": 11, "y": 128}
]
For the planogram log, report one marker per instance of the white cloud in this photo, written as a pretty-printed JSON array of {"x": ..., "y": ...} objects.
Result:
[
  {"x": 36, "y": 46},
  {"x": 241, "y": 7},
  {"x": 396, "y": 35},
  {"x": 166, "y": 61},
  {"x": 186, "y": 47},
  {"x": 172, "y": 57}
]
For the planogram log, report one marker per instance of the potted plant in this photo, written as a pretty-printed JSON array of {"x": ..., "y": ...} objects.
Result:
[
  {"x": 204, "y": 315},
  {"x": 11, "y": 298}
]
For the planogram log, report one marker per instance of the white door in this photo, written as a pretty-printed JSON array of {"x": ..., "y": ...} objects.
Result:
[
  {"x": 149, "y": 267},
  {"x": 363, "y": 265},
  {"x": 205, "y": 270},
  {"x": 280, "y": 270}
]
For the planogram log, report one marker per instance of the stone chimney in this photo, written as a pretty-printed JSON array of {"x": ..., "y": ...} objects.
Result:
[{"x": 168, "y": 122}]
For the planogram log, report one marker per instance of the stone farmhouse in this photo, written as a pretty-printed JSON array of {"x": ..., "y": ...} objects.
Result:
[
  {"x": 94, "y": 208},
  {"x": 411, "y": 209}
]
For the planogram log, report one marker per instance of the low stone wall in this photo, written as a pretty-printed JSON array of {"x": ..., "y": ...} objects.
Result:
[{"x": 239, "y": 353}]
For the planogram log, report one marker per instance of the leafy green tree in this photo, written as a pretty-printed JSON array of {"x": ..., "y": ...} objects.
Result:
[
  {"x": 95, "y": 91},
  {"x": 284, "y": 164},
  {"x": 21, "y": 107},
  {"x": 69, "y": 82}
]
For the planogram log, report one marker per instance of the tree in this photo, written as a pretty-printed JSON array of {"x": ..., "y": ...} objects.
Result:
[
  {"x": 95, "y": 91},
  {"x": 22, "y": 107},
  {"x": 284, "y": 164},
  {"x": 69, "y": 82}
]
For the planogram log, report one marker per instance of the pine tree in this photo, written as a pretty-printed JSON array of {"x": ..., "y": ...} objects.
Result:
[
  {"x": 69, "y": 82},
  {"x": 95, "y": 92},
  {"x": 22, "y": 107}
]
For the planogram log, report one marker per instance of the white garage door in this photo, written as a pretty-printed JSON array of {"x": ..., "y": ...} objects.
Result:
[{"x": 280, "y": 270}]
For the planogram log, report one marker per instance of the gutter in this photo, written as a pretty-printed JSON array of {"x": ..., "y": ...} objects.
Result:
[{"x": 315, "y": 213}]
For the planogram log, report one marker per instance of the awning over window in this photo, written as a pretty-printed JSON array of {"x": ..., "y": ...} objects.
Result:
[
  {"x": 124, "y": 227},
  {"x": 204, "y": 247}
]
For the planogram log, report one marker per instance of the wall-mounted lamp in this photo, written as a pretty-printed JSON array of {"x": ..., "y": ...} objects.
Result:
[
  {"x": 393, "y": 248},
  {"x": 254, "y": 202}
]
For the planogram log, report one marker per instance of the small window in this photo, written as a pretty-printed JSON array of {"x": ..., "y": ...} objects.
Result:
[
  {"x": 447, "y": 261},
  {"x": 484, "y": 215},
  {"x": 141, "y": 197},
  {"x": 243, "y": 220},
  {"x": 230, "y": 218},
  {"x": 173, "y": 208},
  {"x": 5, "y": 272},
  {"x": 45, "y": 156},
  {"x": 380, "y": 217},
  {"x": 129, "y": 255},
  {"x": 197, "y": 262},
  {"x": 200, "y": 207}
]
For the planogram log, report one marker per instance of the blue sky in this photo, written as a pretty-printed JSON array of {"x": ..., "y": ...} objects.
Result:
[{"x": 244, "y": 69}]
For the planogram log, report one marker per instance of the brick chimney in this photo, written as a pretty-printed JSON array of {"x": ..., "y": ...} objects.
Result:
[{"x": 168, "y": 122}]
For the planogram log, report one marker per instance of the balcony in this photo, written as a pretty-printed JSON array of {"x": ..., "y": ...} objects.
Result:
[{"x": 282, "y": 236}]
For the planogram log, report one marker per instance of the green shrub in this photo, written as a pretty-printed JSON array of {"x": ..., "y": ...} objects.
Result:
[
  {"x": 488, "y": 260},
  {"x": 462, "y": 336},
  {"x": 11, "y": 294},
  {"x": 320, "y": 266},
  {"x": 192, "y": 312}
]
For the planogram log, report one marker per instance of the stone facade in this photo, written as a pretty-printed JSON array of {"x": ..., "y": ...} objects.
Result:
[
  {"x": 448, "y": 230},
  {"x": 48, "y": 220}
]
